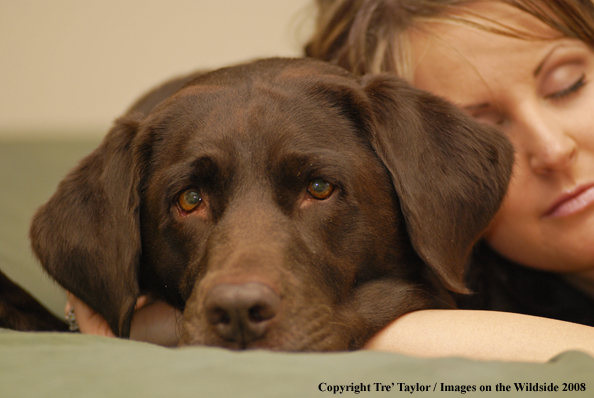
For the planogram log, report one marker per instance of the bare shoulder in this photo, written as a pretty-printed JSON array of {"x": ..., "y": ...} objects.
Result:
[{"x": 484, "y": 335}]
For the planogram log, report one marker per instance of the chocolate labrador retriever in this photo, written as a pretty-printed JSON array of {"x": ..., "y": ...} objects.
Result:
[{"x": 281, "y": 204}]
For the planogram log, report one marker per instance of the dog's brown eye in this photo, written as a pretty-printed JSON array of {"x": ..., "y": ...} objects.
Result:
[
  {"x": 189, "y": 200},
  {"x": 320, "y": 189}
]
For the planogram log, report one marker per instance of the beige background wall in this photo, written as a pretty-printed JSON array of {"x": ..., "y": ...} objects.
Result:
[{"x": 71, "y": 66}]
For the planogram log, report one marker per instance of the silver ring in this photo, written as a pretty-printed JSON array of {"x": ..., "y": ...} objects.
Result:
[{"x": 72, "y": 323}]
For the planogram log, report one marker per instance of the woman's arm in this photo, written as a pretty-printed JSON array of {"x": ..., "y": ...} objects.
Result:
[{"x": 484, "y": 335}]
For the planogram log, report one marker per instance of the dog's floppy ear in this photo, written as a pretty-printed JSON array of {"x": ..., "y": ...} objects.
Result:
[
  {"x": 87, "y": 235},
  {"x": 450, "y": 172}
]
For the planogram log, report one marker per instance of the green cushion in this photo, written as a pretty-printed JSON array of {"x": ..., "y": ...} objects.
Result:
[{"x": 64, "y": 365}]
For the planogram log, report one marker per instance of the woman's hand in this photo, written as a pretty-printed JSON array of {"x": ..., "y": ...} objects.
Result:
[
  {"x": 89, "y": 321},
  {"x": 154, "y": 321}
]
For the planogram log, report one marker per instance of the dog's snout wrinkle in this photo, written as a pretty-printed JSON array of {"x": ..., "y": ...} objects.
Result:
[{"x": 241, "y": 313}]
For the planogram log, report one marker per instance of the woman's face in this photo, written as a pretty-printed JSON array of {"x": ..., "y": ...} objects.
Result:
[{"x": 540, "y": 94}]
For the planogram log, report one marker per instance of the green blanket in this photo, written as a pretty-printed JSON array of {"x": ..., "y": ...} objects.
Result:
[
  {"x": 63, "y": 365},
  {"x": 73, "y": 365}
]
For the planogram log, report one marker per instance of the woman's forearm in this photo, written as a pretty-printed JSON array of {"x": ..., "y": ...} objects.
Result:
[{"x": 484, "y": 335}]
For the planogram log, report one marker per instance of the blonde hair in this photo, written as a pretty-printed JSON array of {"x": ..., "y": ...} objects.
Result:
[{"x": 371, "y": 36}]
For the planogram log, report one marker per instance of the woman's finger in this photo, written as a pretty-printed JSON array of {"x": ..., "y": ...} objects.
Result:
[{"x": 88, "y": 320}]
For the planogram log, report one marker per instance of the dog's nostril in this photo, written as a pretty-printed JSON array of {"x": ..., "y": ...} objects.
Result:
[
  {"x": 260, "y": 313},
  {"x": 219, "y": 316},
  {"x": 241, "y": 312}
]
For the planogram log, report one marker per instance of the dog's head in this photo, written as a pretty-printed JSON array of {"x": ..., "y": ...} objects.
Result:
[{"x": 282, "y": 204}]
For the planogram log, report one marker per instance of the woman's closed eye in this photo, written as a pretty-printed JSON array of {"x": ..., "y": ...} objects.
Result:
[
  {"x": 575, "y": 87},
  {"x": 563, "y": 80},
  {"x": 485, "y": 113}
]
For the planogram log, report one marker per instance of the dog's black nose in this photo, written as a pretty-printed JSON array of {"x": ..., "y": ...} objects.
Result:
[{"x": 241, "y": 312}]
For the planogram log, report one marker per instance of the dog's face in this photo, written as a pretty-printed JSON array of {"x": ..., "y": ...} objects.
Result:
[
  {"x": 282, "y": 204},
  {"x": 274, "y": 204}
]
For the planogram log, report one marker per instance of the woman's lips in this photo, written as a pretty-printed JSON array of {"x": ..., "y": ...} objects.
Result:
[{"x": 572, "y": 202}]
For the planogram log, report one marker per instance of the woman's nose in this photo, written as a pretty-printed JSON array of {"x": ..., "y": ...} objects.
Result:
[
  {"x": 548, "y": 146},
  {"x": 553, "y": 154}
]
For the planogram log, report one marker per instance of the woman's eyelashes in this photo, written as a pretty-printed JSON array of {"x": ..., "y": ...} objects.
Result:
[
  {"x": 492, "y": 117},
  {"x": 566, "y": 92},
  {"x": 566, "y": 77}
]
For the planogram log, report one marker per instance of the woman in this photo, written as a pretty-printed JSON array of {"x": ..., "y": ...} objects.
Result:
[{"x": 525, "y": 67}]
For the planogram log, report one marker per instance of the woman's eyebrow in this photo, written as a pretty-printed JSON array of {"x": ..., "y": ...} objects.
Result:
[{"x": 539, "y": 67}]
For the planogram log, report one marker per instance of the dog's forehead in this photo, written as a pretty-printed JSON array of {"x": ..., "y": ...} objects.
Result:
[{"x": 258, "y": 117}]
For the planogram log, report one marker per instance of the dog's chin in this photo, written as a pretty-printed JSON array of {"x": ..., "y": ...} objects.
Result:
[
  {"x": 270, "y": 345},
  {"x": 312, "y": 339}
]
